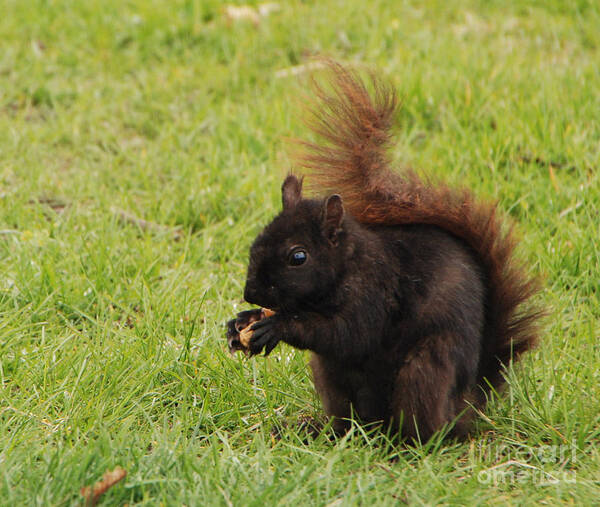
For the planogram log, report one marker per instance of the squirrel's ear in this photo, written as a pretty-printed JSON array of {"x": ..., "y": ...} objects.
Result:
[
  {"x": 291, "y": 192},
  {"x": 333, "y": 214}
]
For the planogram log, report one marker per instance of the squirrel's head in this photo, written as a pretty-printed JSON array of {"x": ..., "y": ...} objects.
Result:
[{"x": 297, "y": 259}]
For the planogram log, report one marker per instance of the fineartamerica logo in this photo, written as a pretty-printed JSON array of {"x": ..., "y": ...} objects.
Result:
[{"x": 543, "y": 466}]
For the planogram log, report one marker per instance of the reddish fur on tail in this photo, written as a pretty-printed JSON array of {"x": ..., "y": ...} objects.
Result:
[{"x": 353, "y": 162}]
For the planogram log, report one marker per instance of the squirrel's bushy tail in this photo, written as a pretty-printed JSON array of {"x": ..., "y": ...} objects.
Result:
[{"x": 353, "y": 162}]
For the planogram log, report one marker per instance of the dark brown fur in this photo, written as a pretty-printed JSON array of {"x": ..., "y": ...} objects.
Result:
[
  {"x": 354, "y": 164},
  {"x": 407, "y": 292}
]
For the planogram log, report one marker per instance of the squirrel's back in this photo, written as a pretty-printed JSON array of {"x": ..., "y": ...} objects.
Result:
[{"x": 353, "y": 161}]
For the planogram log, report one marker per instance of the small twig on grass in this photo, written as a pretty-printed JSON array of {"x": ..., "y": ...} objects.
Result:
[
  {"x": 92, "y": 494},
  {"x": 54, "y": 203},
  {"x": 540, "y": 162},
  {"x": 145, "y": 225}
]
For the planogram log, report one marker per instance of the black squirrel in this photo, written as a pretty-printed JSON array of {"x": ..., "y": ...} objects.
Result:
[{"x": 406, "y": 292}]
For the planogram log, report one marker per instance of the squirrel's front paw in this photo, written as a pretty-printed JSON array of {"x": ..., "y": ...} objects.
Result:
[
  {"x": 237, "y": 325},
  {"x": 244, "y": 319},
  {"x": 264, "y": 335}
]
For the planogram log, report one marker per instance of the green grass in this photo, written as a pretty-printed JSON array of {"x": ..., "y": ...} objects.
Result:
[{"x": 111, "y": 337}]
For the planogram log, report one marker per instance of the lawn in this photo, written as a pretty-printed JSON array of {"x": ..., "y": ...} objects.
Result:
[{"x": 142, "y": 147}]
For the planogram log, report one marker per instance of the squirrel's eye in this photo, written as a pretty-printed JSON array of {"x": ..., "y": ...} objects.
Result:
[{"x": 298, "y": 257}]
